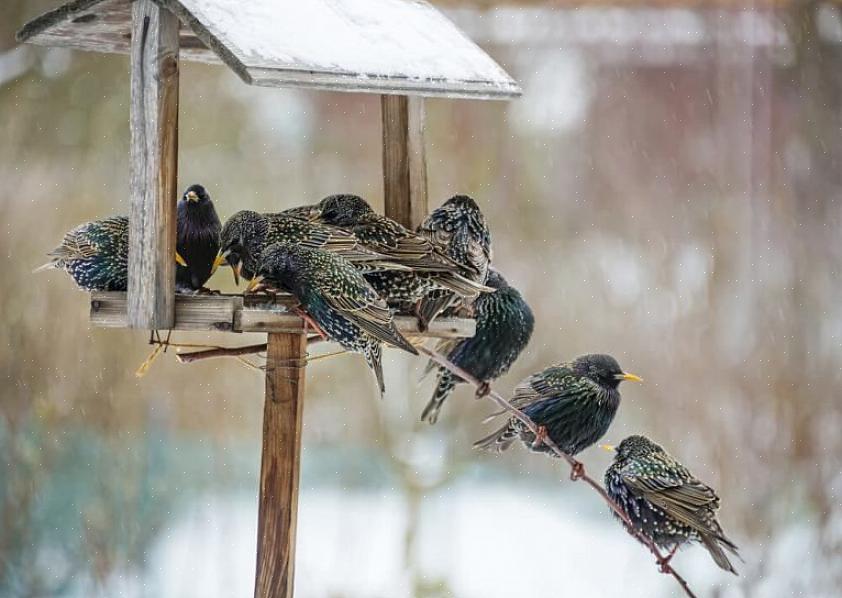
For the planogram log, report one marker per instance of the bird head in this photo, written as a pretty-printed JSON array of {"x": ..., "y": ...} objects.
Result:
[
  {"x": 242, "y": 232},
  {"x": 602, "y": 369},
  {"x": 276, "y": 267},
  {"x": 634, "y": 447},
  {"x": 495, "y": 280},
  {"x": 462, "y": 202},
  {"x": 196, "y": 194},
  {"x": 341, "y": 210}
]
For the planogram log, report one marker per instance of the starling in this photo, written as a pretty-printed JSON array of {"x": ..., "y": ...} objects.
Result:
[
  {"x": 431, "y": 269},
  {"x": 504, "y": 326},
  {"x": 459, "y": 230},
  {"x": 573, "y": 403},
  {"x": 95, "y": 254},
  {"x": 197, "y": 240},
  {"x": 247, "y": 234},
  {"x": 664, "y": 501},
  {"x": 335, "y": 298}
]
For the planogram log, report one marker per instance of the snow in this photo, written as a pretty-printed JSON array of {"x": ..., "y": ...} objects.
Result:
[{"x": 363, "y": 38}]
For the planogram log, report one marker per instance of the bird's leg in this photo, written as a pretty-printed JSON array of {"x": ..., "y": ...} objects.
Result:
[
  {"x": 577, "y": 470},
  {"x": 422, "y": 322},
  {"x": 308, "y": 321},
  {"x": 664, "y": 562},
  {"x": 483, "y": 390},
  {"x": 207, "y": 291},
  {"x": 540, "y": 435},
  {"x": 167, "y": 342}
]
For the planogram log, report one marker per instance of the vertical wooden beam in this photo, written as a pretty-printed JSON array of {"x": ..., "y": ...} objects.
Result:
[
  {"x": 154, "y": 159},
  {"x": 278, "y": 508},
  {"x": 404, "y": 160}
]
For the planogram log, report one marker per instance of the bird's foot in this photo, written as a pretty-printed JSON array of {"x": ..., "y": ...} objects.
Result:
[
  {"x": 308, "y": 321},
  {"x": 483, "y": 390},
  {"x": 540, "y": 435},
  {"x": 577, "y": 470},
  {"x": 207, "y": 291},
  {"x": 664, "y": 562}
]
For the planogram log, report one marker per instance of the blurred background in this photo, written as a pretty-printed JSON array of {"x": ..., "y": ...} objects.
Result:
[{"x": 667, "y": 190}]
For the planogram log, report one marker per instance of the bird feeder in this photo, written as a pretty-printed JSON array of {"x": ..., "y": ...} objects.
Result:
[{"x": 403, "y": 50}]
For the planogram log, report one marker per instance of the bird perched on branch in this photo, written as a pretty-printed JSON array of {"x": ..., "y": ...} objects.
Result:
[
  {"x": 431, "y": 269},
  {"x": 95, "y": 254},
  {"x": 572, "y": 404},
  {"x": 504, "y": 326},
  {"x": 664, "y": 501},
  {"x": 197, "y": 239},
  {"x": 247, "y": 234},
  {"x": 335, "y": 299},
  {"x": 458, "y": 229}
]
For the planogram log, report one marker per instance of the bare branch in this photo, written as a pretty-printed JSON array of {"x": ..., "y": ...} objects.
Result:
[
  {"x": 577, "y": 469},
  {"x": 231, "y": 351}
]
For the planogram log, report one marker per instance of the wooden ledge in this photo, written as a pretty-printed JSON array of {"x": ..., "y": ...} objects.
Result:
[{"x": 236, "y": 313}]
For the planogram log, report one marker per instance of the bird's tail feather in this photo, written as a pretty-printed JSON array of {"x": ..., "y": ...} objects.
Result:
[
  {"x": 498, "y": 441},
  {"x": 432, "y": 305},
  {"x": 443, "y": 389},
  {"x": 462, "y": 286},
  {"x": 714, "y": 545},
  {"x": 375, "y": 361}
]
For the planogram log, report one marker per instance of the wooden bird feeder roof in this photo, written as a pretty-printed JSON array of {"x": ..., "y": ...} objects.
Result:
[{"x": 402, "y": 47}]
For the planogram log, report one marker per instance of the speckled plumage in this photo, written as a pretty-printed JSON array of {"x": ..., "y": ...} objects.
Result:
[
  {"x": 95, "y": 254},
  {"x": 247, "y": 234},
  {"x": 504, "y": 327},
  {"x": 664, "y": 501},
  {"x": 575, "y": 402},
  {"x": 459, "y": 230},
  {"x": 431, "y": 269},
  {"x": 197, "y": 238},
  {"x": 338, "y": 299}
]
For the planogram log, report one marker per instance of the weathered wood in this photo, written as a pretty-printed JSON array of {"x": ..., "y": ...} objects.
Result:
[
  {"x": 280, "y": 464},
  {"x": 252, "y": 314},
  {"x": 404, "y": 159},
  {"x": 154, "y": 162},
  {"x": 377, "y": 46}
]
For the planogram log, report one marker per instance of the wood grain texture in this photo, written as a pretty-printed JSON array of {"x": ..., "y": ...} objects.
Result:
[
  {"x": 404, "y": 159},
  {"x": 280, "y": 465},
  {"x": 154, "y": 161}
]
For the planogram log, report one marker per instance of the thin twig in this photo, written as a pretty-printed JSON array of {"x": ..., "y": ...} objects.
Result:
[
  {"x": 578, "y": 470},
  {"x": 231, "y": 351}
]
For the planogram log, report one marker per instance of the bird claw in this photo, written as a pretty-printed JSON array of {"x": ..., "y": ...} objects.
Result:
[
  {"x": 483, "y": 390},
  {"x": 577, "y": 470},
  {"x": 664, "y": 561},
  {"x": 540, "y": 435}
]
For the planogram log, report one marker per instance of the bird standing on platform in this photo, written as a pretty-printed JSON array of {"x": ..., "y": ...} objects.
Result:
[
  {"x": 197, "y": 240},
  {"x": 504, "y": 327},
  {"x": 459, "y": 230},
  {"x": 335, "y": 298},
  {"x": 431, "y": 269},
  {"x": 664, "y": 501},
  {"x": 573, "y": 404}
]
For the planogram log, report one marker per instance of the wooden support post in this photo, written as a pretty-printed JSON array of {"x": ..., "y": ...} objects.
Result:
[
  {"x": 278, "y": 508},
  {"x": 404, "y": 161},
  {"x": 154, "y": 160}
]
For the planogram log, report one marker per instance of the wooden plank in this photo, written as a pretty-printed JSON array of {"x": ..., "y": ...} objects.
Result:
[
  {"x": 154, "y": 162},
  {"x": 251, "y": 314},
  {"x": 280, "y": 465},
  {"x": 404, "y": 159}
]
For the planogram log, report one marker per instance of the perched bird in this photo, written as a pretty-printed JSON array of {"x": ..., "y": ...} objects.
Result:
[
  {"x": 664, "y": 501},
  {"x": 458, "y": 229},
  {"x": 572, "y": 403},
  {"x": 335, "y": 299},
  {"x": 247, "y": 234},
  {"x": 431, "y": 269},
  {"x": 197, "y": 239},
  {"x": 504, "y": 326},
  {"x": 95, "y": 254}
]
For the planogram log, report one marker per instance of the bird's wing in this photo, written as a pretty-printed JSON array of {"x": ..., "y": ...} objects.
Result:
[
  {"x": 682, "y": 497},
  {"x": 557, "y": 383},
  {"x": 408, "y": 248}
]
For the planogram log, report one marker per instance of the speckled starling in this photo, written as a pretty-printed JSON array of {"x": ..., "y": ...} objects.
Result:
[
  {"x": 574, "y": 403},
  {"x": 458, "y": 229},
  {"x": 247, "y": 234},
  {"x": 336, "y": 298},
  {"x": 431, "y": 269},
  {"x": 504, "y": 326},
  {"x": 95, "y": 254},
  {"x": 664, "y": 501},
  {"x": 197, "y": 239}
]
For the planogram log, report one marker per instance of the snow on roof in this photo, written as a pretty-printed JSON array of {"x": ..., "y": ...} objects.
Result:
[{"x": 378, "y": 46}]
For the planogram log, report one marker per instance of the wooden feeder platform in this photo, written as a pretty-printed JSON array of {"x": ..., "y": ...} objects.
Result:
[{"x": 403, "y": 50}]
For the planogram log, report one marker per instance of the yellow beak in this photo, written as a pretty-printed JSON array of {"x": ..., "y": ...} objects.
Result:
[
  {"x": 630, "y": 377},
  {"x": 180, "y": 260},
  {"x": 254, "y": 282},
  {"x": 607, "y": 447},
  {"x": 219, "y": 260},
  {"x": 314, "y": 214},
  {"x": 191, "y": 196},
  {"x": 236, "y": 270}
]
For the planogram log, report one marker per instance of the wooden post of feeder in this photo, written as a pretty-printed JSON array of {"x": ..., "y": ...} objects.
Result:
[
  {"x": 154, "y": 161},
  {"x": 404, "y": 160},
  {"x": 280, "y": 465}
]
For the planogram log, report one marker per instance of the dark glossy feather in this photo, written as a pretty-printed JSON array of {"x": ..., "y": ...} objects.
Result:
[{"x": 197, "y": 238}]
